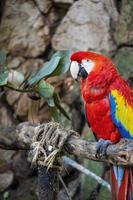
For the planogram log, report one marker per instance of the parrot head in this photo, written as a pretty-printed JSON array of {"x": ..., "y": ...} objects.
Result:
[
  {"x": 85, "y": 63},
  {"x": 96, "y": 72}
]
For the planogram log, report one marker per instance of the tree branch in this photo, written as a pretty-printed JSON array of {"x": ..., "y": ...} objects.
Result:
[{"x": 21, "y": 137}]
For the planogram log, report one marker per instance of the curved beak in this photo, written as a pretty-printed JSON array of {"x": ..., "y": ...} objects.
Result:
[{"x": 74, "y": 69}]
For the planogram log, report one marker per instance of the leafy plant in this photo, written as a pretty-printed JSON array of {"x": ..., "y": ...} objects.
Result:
[
  {"x": 3, "y": 70},
  {"x": 37, "y": 82},
  {"x": 3, "y": 77},
  {"x": 58, "y": 65}
]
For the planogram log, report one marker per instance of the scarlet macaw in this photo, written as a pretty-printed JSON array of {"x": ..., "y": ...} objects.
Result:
[{"x": 108, "y": 103}]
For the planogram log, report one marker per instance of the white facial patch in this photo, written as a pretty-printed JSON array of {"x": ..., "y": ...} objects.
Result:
[
  {"x": 74, "y": 69},
  {"x": 88, "y": 65}
]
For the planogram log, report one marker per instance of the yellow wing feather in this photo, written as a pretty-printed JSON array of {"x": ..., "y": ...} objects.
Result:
[{"x": 124, "y": 111}]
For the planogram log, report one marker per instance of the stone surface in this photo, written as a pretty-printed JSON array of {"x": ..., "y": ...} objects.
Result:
[
  {"x": 44, "y": 5},
  {"x": 24, "y": 31},
  {"x": 6, "y": 155},
  {"x": 6, "y": 180},
  {"x": 5, "y": 118},
  {"x": 73, "y": 188},
  {"x": 124, "y": 27},
  {"x": 64, "y": 1},
  {"x": 31, "y": 65},
  {"x": 87, "y": 25},
  {"x": 19, "y": 160},
  {"x": 26, "y": 190},
  {"x": 14, "y": 62},
  {"x": 23, "y": 105},
  {"x": 12, "y": 97},
  {"x": 24, "y": 65},
  {"x": 124, "y": 61}
]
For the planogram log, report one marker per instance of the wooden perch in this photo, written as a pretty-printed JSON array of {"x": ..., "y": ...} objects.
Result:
[{"x": 21, "y": 137}]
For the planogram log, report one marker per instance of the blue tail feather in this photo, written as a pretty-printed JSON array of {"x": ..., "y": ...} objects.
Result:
[
  {"x": 122, "y": 183},
  {"x": 119, "y": 171}
]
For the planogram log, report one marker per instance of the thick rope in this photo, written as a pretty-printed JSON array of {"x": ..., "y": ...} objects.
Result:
[{"x": 48, "y": 144}]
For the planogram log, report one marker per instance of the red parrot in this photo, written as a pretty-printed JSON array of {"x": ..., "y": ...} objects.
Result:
[{"x": 108, "y": 101}]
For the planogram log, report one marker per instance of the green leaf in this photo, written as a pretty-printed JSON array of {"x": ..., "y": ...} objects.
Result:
[
  {"x": 64, "y": 63},
  {"x": 6, "y": 195},
  {"x": 2, "y": 57},
  {"x": 46, "y": 70},
  {"x": 50, "y": 102},
  {"x": 58, "y": 105},
  {"x": 46, "y": 91},
  {"x": 15, "y": 78},
  {"x": 58, "y": 64},
  {"x": 56, "y": 115},
  {"x": 3, "y": 77}
]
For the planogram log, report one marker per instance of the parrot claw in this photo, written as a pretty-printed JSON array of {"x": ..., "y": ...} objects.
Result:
[{"x": 101, "y": 147}]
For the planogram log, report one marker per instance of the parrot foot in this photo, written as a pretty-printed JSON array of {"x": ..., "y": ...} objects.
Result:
[{"x": 101, "y": 147}]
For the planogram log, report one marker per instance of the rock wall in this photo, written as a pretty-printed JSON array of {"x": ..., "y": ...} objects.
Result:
[
  {"x": 30, "y": 31},
  {"x": 87, "y": 25}
]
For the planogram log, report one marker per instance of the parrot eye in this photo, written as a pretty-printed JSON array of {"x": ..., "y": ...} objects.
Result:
[{"x": 88, "y": 65}]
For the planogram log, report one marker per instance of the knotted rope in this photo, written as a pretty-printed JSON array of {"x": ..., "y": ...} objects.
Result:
[{"x": 48, "y": 144}]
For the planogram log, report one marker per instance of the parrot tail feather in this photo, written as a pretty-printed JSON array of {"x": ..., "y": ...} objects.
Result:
[{"x": 122, "y": 182}]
